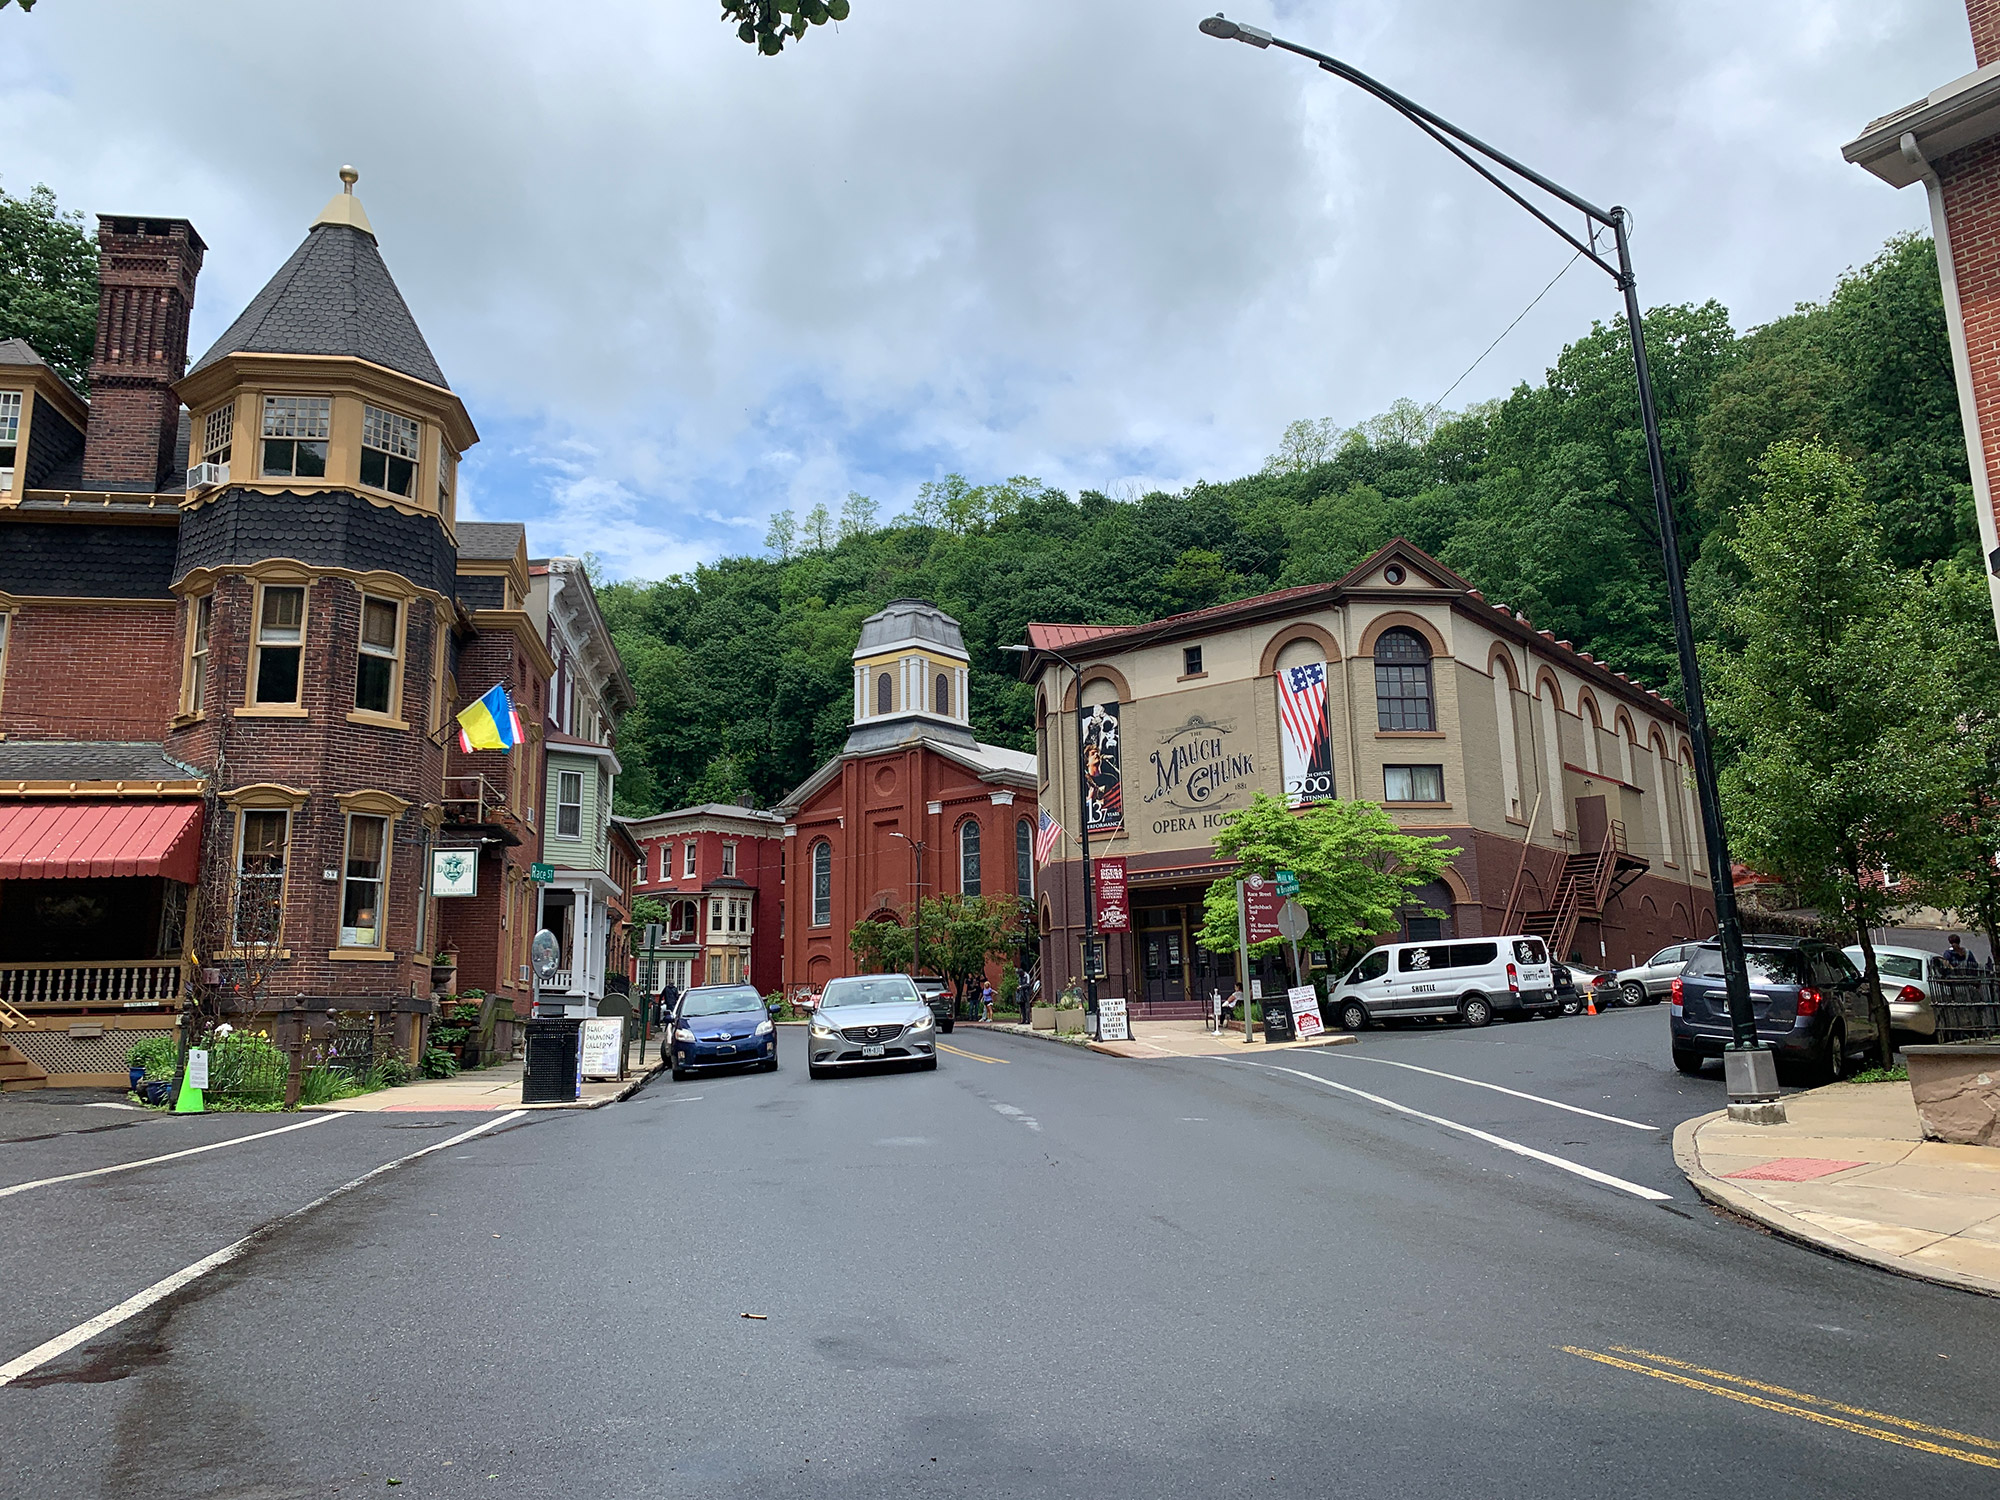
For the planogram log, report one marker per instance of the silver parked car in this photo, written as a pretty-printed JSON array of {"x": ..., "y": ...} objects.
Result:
[
  {"x": 870, "y": 1018},
  {"x": 1650, "y": 981},
  {"x": 1908, "y": 976}
]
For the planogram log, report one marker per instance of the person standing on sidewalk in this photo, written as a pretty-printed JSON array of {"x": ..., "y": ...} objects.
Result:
[
  {"x": 1956, "y": 958},
  {"x": 986, "y": 1001}
]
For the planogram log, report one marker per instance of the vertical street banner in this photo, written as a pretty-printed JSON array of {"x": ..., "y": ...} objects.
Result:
[
  {"x": 1114, "y": 912},
  {"x": 1103, "y": 779},
  {"x": 1305, "y": 738}
]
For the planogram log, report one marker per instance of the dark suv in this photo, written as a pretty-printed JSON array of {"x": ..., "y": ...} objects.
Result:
[
  {"x": 937, "y": 995},
  {"x": 1811, "y": 1007}
]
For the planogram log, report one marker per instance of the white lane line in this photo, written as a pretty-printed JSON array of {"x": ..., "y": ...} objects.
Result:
[
  {"x": 126, "y": 1166},
  {"x": 1012, "y": 1113},
  {"x": 1651, "y": 1195},
  {"x": 138, "y": 1302},
  {"x": 1576, "y": 1109}
]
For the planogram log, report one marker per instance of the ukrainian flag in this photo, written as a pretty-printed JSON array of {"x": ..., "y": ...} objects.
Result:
[{"x": 491, "y": 723}]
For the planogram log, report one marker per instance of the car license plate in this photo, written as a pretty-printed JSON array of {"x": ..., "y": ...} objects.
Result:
[
  {"x": 725, "y": 1050},
  {"x": 873, "y": 1049}
]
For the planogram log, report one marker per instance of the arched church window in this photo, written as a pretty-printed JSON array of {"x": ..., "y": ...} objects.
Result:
[
  {"x": 968, "y": 857},
  {"x": 943, "y": 695},
  {"x": 885, "y": 694}
]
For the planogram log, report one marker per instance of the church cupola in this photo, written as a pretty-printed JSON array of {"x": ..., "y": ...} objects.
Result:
[{"x": 910, "y": 675}]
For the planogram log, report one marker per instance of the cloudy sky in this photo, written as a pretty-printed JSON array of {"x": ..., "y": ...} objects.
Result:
[{"x": 681, "y": 286}]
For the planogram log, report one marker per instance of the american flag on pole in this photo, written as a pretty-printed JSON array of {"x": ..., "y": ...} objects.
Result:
[{"x": 1047, "y": 831}]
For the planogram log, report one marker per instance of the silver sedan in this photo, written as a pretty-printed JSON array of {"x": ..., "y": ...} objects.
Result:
[{"x": 870, "y": 1018}]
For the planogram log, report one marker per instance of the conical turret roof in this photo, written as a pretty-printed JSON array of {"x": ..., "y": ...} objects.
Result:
[{"x": 334, "y": 296}]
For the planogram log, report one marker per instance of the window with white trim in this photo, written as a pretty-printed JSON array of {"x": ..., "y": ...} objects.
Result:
[
  {"x": 295, "y": 433},
  {"x": 729, "y": 859},
  {"x": 389, "y": 451},
  {"x": 200, "y": 613},
  {"x": 281, "y": 630},
  {"x": 260, "y": 876},
  {"x": 569, "y": 804},
  {"x": 716, "y": 914},
  {"x": 1413, "y": 783},
  {"x": 362, "y": 888},
  {"x": 10, "y": 435},
  {"x": 375, "y": 665},
  {"x": 217, "y": 431},
  {"x": 688, "y": 858}
]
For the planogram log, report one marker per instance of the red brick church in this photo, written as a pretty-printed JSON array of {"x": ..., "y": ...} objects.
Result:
[{"x": 913, "y": 806}]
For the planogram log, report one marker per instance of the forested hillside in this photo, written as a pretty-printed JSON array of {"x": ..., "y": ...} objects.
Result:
[{"x": 1541, "y": 499}]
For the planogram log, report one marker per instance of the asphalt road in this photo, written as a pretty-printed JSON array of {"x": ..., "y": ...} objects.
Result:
[{"x": 1034, "y": 1272}]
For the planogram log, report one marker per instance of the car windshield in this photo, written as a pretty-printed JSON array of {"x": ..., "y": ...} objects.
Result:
[
  {"x": 871, "y": 989},
  {"x": 720, "y": 1000},
  {"x": 1766, "y": 965}
]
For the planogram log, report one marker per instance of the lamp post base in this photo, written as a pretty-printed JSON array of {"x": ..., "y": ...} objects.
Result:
[{"x": 1752, "y": 1076}]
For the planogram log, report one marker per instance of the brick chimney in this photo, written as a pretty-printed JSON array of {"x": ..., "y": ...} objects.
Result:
[
  {"x": 146, "y": 270},
  {"x": 1984, "y": 15}
]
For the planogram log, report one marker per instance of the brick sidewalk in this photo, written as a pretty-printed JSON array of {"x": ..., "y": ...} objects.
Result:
[{"x": 1852, "y": 1174}]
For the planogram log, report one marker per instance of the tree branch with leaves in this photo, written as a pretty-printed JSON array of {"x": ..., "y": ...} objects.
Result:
[{"x": 768, "y": 24}]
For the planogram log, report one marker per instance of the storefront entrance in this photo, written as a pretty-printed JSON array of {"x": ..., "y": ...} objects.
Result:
[{"x": 1175, "y": 977}]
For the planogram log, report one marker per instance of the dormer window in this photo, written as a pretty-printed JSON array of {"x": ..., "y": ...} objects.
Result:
[
  {"x": 10, "y": 436},
  {"x": 296, "y": 429},
  {"x": 216, "y": 432},
  {"x": 389, "y": 451}
]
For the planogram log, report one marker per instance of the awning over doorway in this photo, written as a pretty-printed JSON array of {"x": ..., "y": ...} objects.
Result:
[{"x": 82, "y": 840}]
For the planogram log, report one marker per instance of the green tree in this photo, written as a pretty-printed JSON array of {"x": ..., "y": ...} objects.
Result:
[
  {"x": 880, "y": 947},
  {"x": 857, "y": 516},
  {"x": 765, "y": 24},
  {"x": 818, "y": 529},
  {"x": 48, "y": 282},
  {"x": 1837, "y": 710},
  {"x": 782, "y": 535},
  {"x": 1356, "y": 871},
  {"x": 960, "y": 933}
]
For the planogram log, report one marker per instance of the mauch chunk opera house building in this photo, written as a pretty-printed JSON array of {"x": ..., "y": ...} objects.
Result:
[
  {"x": 1564, "y": 783},
  {"x": 237, "y": 619}
]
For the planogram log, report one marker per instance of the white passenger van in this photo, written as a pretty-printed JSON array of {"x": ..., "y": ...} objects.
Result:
[{"x": 1472, "y": 979}]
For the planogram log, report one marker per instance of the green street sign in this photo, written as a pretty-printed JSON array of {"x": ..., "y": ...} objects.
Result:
[
  {"x": 1288, "y": 883},
  {"x": 542, "y": 874}
]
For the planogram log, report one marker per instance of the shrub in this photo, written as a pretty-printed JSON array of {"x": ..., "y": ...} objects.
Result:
[
  {"x": 246, "y": 1066},
  {"x": 438, "y": 1063},
  {"x": 448, "y": 1036},
  {"x": 320, "y": 1083},
  {"x": 390, "y": 1072},
  {"x": 156, "y": 1055}
]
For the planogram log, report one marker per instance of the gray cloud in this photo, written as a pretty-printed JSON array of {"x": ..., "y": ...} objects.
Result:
[{"x": 1073, "y": 240}]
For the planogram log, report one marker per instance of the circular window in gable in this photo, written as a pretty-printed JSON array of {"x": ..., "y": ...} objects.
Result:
[{"x": 1394, "y": 573}]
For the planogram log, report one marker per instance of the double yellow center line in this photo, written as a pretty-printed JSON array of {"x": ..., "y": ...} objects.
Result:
[
  {"x": 975, "y": 1056},
  {"x": 1798, "y": 1404}
]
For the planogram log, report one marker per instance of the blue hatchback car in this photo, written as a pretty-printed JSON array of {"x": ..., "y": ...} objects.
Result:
[{"x": 722, "y": 1026}]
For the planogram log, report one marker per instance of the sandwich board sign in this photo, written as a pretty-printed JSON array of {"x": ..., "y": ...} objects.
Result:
[
  {"x": 1113, "y": 1023},
  {"x": 1304, "y": 1001}
]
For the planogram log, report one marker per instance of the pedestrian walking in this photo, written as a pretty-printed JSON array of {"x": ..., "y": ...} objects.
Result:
[{"x": 986, "y": 1001}]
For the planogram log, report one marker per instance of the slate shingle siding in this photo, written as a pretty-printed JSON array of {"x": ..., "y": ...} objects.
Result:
[
  {"x": 483, "y": 593},
  {"x": 88, "y": 760},
  {"x": 51, "y": 442},
  {"x": 334, "y": 296},
  {"x": 329, "y": 528},
  {"x": 83, "y": 561}
]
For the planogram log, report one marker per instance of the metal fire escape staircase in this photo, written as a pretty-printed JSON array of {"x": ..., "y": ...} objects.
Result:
[{"x": 1582, "y": 884}]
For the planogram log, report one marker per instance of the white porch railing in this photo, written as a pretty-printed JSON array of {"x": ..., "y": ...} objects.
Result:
[
  {"x": 154, "y": 981},
  {"x": 558, "y": 982}
]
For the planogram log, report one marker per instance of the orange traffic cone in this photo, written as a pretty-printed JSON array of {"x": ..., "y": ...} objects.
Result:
[{"x": 1590, "y": 1001}]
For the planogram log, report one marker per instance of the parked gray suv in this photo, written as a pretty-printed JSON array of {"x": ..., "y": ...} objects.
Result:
[{"x": 1649, "y": 982}]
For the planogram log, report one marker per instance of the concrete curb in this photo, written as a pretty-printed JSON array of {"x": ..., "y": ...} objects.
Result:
[
  {"x": 1727, "y": 1195},
  {"x": 1110, "y": 1049}
]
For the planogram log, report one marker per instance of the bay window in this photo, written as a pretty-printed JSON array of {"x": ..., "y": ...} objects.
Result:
[
  {"x": 362, "y": 886},
  {"x": 281, "y": 620},
  {"x": 389, "y": 451},
  {"x": 295, "y": 431},
  {"x": 375, "y": 665}
]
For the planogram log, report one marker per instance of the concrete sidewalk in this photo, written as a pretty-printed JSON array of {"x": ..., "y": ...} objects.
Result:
[
  {"x": 1155, "y": 1039},
  {"x": 1851, "y": 1173},
  {"x": 485, "y": 1089}
]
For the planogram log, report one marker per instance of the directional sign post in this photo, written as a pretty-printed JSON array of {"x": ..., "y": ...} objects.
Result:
[
  {"x": 1288, "y": 883},
  {"x": 542, "y": 874},
  {"x": 1293, "y": 924}
]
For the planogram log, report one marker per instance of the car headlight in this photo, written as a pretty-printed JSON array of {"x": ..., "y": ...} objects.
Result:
[
  {"x": 923, "y": 1022},
  {"x": 683, "y": 1034},
  {"x": 821, "y": 1030},
  {"x": 765, "y": 1028}
]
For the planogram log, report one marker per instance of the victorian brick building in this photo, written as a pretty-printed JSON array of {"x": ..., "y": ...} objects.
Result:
[
  {"x": 238, "y": 615},
  {"x": 719, "y": 869},
  {"x": 913, "y": 806}
]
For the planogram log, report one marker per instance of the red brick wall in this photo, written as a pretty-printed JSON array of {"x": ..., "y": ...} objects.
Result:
[
  {"x": 91, "y": 672},
  {"x": 1971, "y": 183},
  {"x": 760, "y": 865},
  {"x": 146, "y": 275},
  {"x": 1984, "y": 16}
]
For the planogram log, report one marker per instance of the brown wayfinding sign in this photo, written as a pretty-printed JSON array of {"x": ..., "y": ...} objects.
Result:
[
  {"x": 1114, "y": 910},
  {"x": 1261, "y": 905}
]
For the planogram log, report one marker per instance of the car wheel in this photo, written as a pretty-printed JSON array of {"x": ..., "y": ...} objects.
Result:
[
  {"x": 1353, "y": 1016},
  {"x": 928, "y": 1065},
  {"x": 1632, "y": 992},
  {"x": 1475, "y": 1010},
  {"x": 814, "y": 1070},
  {"x": 771, "y": 1064},
  {"x": 680, "y": 1073},
  {"x": 1833, "y": 1066},
  {"x": 1690, "y": 1063}
]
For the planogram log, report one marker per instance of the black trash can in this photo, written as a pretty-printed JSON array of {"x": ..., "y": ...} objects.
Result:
[
  {"x": 1278, "y": 1018},
  {"x": 555, "y": 1055}
]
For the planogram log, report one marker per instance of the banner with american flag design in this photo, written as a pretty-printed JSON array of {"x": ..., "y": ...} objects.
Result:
[{"x": 1306, "y": 744}]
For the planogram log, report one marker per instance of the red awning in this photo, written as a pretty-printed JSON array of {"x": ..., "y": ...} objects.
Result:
[{"x": 78, "y": 840}]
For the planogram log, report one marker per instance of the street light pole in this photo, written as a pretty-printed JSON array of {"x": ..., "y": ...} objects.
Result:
[
  {"x": 1752, "y": 1078},
  {"x": 1083, "y": 840},
  {"x": 916, "y": 904}
]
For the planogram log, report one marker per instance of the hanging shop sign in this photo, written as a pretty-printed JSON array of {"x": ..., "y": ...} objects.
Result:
[
  {"x": 1304, "y": 735},
  {"x": 454, "y": 872},
  {"x": 1103, "y": 775},
  {"x": 1114, "y": 911}
]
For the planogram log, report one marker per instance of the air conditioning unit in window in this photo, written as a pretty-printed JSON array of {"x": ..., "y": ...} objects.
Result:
[{"x": 207, "y": 476}]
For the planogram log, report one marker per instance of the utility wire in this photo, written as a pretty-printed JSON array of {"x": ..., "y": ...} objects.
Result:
[{"x": 1503, "y": 333}]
